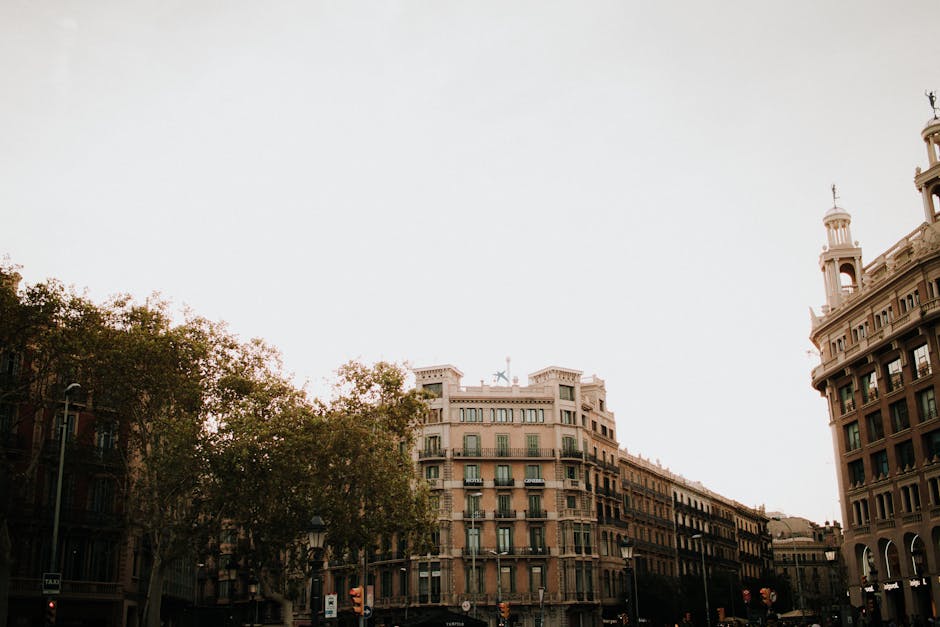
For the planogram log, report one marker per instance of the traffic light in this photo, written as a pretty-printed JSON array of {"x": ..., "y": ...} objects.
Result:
[
  {"x": 721, "y": 614},
  {"x": 747, "y": 596},
  {"x": 357, "y": 601},
  {"x": 51, "y": 606},
  {"x": 765, "y": 596},
  {"x": 504, "y": 610}
]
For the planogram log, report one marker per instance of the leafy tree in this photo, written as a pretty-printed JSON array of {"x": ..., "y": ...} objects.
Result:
[{"x": 282, "y": 460}]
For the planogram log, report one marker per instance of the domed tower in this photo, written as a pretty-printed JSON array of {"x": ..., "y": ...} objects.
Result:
[
  {"x": 928, "y": 181},
  {"x": 841, "y": 259}
]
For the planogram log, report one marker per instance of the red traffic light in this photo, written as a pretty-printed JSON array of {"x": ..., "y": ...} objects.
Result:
[{"x": 357, "y": 601}]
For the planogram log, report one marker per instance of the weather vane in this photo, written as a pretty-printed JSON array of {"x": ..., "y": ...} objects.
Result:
[
  {"x": 834, "y": 197},
  {"x": 932, "y": 97}
]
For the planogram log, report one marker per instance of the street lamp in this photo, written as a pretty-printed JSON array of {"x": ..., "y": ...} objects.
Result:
[
  {"x": 835, "y": 583},
  {"x": 58, "y": 484},
  {"x": 316, "y": 536},
  {"x": 708, "y": 613},
  {"x": 499, "y": 577},
  {"x": 796, "y": 557},
  {"x": 626, "y": 552},
  {"x": 474, "y": 547},
  {"x": 253, "y": 591}
]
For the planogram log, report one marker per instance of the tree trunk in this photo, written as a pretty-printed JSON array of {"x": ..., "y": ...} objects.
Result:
[
  {"x": 6, "y": 560},
  {"x": 154, "y": 594}
]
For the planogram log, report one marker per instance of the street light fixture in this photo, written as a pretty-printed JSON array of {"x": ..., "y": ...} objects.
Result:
[
  {"x": 316, "y": 537},
  {"x": 708, "y": 613},
  {"x": 796, "y": 557},
  {"x": 474, "y": 547},
  {"x": 253, "y": 591},
  {"x": 628, "y": 555},
  {"x": 499, "y": 576},
  {"x": 58, "y": 484}
]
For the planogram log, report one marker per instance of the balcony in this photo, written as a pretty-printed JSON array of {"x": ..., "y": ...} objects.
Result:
[
  {"x": 534, "y": 482},
  {"x": 432, "y": 453},
  {"x": 572, "y": 454},
  {"x": 504, "y": 482},
  {"x": 504, "y": 452},
  {"x": 474, "y": 514},
  {"x": 505, "y": 514},
  {"x": 535, "y": 514}
]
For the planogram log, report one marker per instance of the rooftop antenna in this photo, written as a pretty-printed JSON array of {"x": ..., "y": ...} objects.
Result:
[{"x": 932, "y": 98}]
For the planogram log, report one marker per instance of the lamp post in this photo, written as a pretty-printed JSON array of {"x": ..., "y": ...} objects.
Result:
[
  {"x": 58, "y": 484},
  {"x": 796, "y": 557},
  {"x": 404, "y": 571},
  {"x": 499, "y": 576},
  {"x": 253, "y": 591},
  {"x": 835, "y": 583},
  {"x": 541, "y": 606},
  {"x": 708, "y": 613},
  {"x": 628, "y": 555},
  {"x": 474, "y": 547},
  {"x": 316, "y": 536}
]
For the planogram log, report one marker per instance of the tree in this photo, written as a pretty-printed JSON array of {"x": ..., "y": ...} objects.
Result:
[
  {"x": 43, "y": 331},
  {"x": 281, "y": 460}
]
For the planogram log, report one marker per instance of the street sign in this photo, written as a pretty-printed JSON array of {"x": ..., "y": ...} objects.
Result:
[
  {"x": 51, "y": 583},
  {"x": 367, "y": 611},
  {"x": 329, "y": 608}
]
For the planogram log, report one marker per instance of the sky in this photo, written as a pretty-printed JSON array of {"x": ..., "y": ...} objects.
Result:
[{"x": 631, "y": 189}]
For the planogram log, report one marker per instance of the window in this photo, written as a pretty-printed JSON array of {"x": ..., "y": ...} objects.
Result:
[
  {"x": 904, "y": 453},
  {"x": 471, "y": 414},
  {"x": 856, "y": 472},
  {"x": 535, "y": 506},
  {"x": 899, "y": 417},
  {"x": 853, "y": 440},
  {"x": 503, "y": 475},
  {"x": 933, "y": 484},
  {"x": 927, "y": 404},
  {"x": 910, "y": 498},
  {"x": 876, "y": 430},
  {"x": 502, "y": 444},
  {"x": 571, "y": 471},
  {"x": 473, "y": 505},
  {"x": 471, "y": 471},
  {"x": 504, "y": 505},
  {"x": 879, "y": 464},
  {"x": 501, "y": 415},
  {"x": 432, "y": 445},
  {"x": 534, "y": 415},
  {"x": 600, "y": 404},
  {"x": 504, "y": 539},
  {"x": 101, "y": 495},
  {"x": 846, "y": 399},
  {"x": 9, "y": 364},
  {"x": 567, "y": 417},
  {"x": 432, "y": 472},
  {"x": 537, "y": 539},
  {"x": 104, "y": 436},
  {"x": 860, "y": 512},
  {"x": 471, "y": 444},
  {"x": 920, "y": 358},
  {"x": 532, "y": 444},
  {"x": 932, "y": 444},
  {"x": 571, "y": 502},
  {"x": 569, "y": 444},
  {"x": 566, "y": 392},
  {"x": 533, "y": 471},
  {"x": 7, "y": 413},
  {"x": 894, "y": 375},
  {"x": 69, "y": 427},
  {"x": 474, "y": 574},
  {"x": 869, "y": 387},
  {"x": 434, "y": 389},
  {"x": 536, "y": 577}
]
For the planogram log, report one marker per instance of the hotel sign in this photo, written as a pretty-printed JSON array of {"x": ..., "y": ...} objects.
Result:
[{"x": 892, "y": 585}]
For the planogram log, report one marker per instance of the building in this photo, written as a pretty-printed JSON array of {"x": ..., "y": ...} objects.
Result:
[
  {"x": 877, "y": 337},
  {"x": 535, "y": 498},
  {"x": 808, "y": 556}
]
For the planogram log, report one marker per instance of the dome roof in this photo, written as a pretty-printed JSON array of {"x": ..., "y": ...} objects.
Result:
[{"x": 836, "y": 212}]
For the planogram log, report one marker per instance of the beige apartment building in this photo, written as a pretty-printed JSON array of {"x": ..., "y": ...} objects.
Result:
[
  {"x": 535, "y": 497},
  {"x": 877, "y": 337}
]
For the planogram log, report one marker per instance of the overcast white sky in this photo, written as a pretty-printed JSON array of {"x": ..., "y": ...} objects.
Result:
[{"x": 632, "y": 189}]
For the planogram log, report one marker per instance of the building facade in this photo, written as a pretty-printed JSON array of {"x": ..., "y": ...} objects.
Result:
[
  {"x": 877, "y": 337},
  {"x": 808, "y": 556}
]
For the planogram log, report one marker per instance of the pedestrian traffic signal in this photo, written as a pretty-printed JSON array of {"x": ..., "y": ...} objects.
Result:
[
  {"x": 51, "y": 606},
  {"x": 504, "y": 609},
  {"x": 357, "y": 601},
  {"x": 747, "y": 595}
]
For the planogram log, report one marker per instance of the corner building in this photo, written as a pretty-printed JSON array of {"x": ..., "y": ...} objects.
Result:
[
  {"x": 880, "y": 357},
  {"x": 526, "y": 482}
]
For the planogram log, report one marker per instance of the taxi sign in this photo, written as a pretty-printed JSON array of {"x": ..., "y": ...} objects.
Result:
[{"x": 51, "y": 583}]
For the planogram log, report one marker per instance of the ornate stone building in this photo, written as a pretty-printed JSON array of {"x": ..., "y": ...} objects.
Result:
[{"x": 878, "y": 344}]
